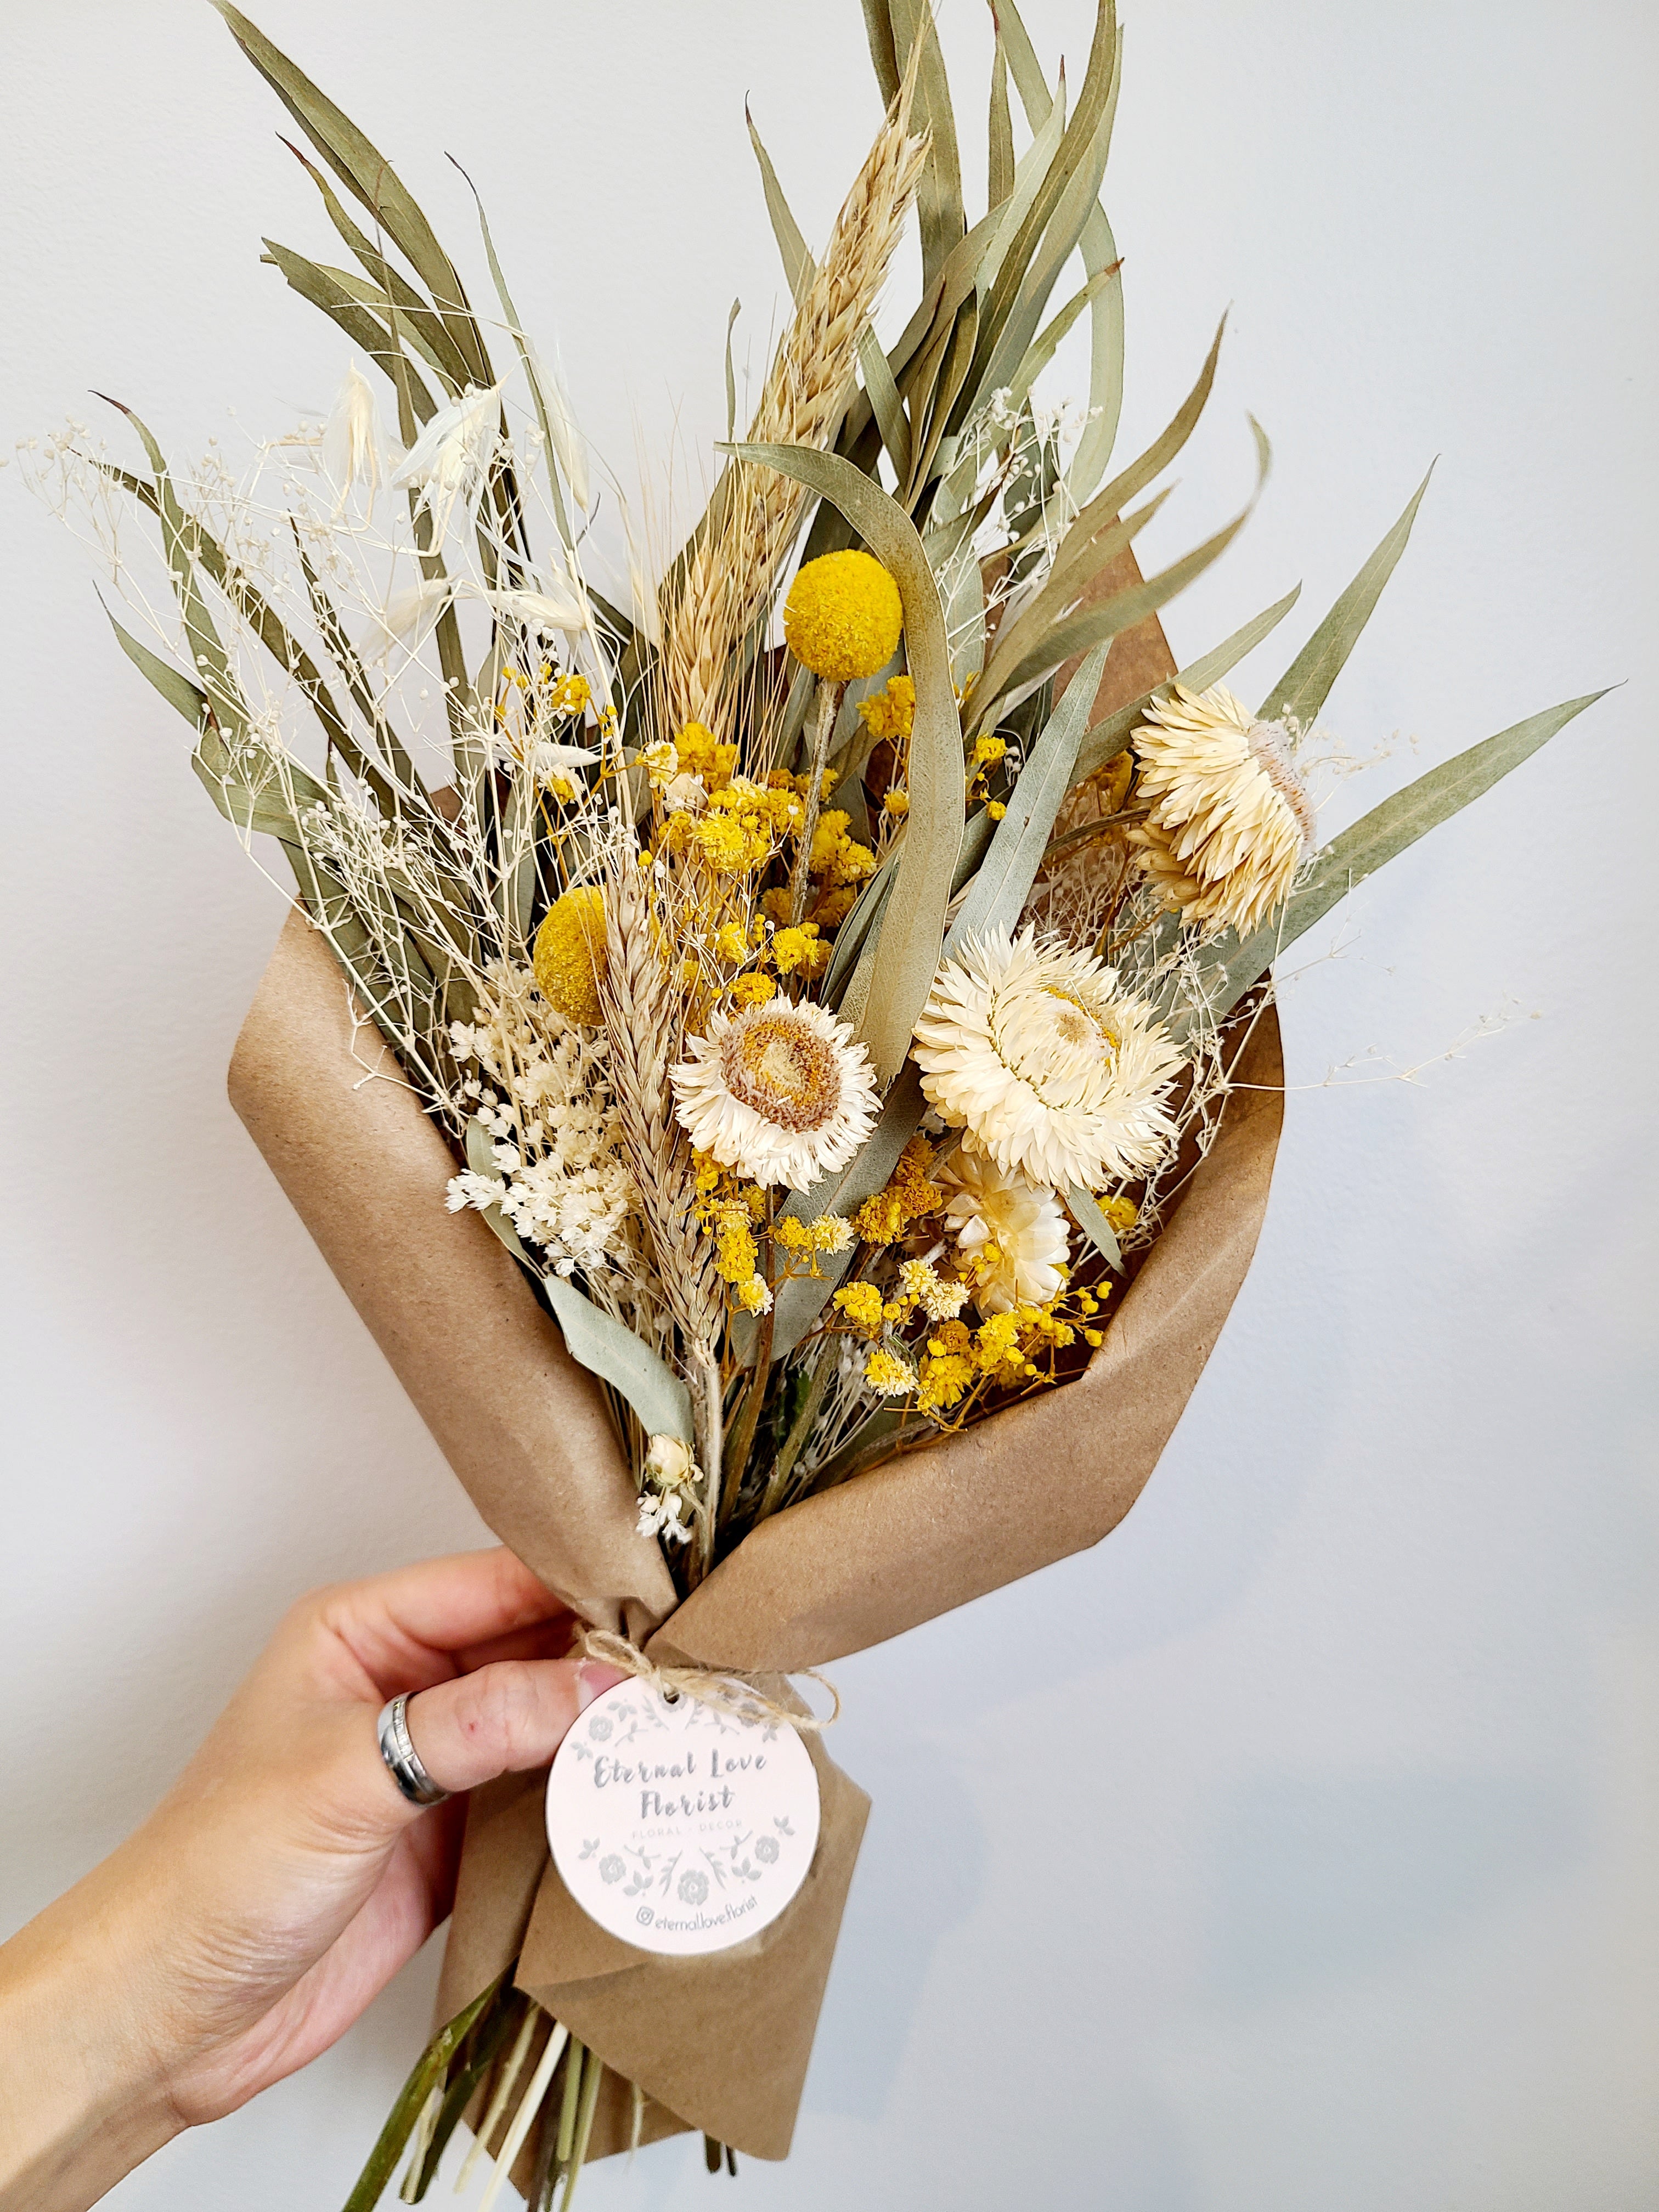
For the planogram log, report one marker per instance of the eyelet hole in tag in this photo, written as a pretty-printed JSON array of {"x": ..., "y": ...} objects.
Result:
[{"x": 677, "y": 1826}]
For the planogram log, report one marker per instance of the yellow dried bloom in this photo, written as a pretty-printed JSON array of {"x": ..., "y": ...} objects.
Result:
[
  {"x": 836, "y": 855},
  {"x": 987, "y": 749},
  {"x": 890, "y": 714},
  {"x": 701, "y": 753},
  {"x": 753, "y": 1296},
  {"x": 861, "y": 1304},
  {"x": 799, "y": 948},
  {"x": 884, "y": 1370},
  {"x": 908, "y": 1197},
  {"x": 995, "y": 809},
  {"x": 571, "y": 695},
  {"x": 833, "y": 909},
  {"x": 735, "y": 1256},
  {"x": 568, "y": 955},
  {"x": 732, "y": 942},
  {"x": 843, "y": 616},
  {"x": 897, "y": 803},
  {"x": 662, "y": 763},
  {"x": 944, "y": 1379},
  {"x": 753, "y": 990},
  {"x": 1121, "y": 1214}
]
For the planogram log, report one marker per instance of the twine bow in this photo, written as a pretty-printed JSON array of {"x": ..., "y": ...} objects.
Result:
[{"x": 720, "y": 1687}]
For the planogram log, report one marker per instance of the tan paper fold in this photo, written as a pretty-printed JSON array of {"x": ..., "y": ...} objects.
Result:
[
  {"x": 522, "y": 1424},
  {"x": 722, "y": 2042},
  {"x": 753, "y": 2009}
]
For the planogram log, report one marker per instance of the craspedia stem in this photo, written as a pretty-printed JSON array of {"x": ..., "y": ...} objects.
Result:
[{"x": 828, "y": 706}]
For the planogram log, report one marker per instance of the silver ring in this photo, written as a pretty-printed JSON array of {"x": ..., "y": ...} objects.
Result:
[{"x": 402, "y": 1761}]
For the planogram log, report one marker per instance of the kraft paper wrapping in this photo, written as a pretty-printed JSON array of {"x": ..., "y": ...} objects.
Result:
[{"x": 720, "y": 2043}]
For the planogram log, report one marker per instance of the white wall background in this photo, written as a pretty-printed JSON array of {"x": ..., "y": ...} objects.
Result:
[{"x": 1295, "y": 1850}]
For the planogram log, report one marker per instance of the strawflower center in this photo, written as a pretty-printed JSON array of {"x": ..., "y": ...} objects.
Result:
[
  {"x": 1055, "y": 1042},
  {"x": 1270, "y": 749},
  {"x": 783, "y": 1070}
]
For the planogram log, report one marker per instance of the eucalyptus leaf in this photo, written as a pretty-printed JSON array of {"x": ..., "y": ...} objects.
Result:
[
  {"x": 1127, "y": 608},
  {"x": 798, "y": 265},
  {"x": 1108, "y": 738},
  {"x": 1231, "y": 967},
  {"x": 178, "y": 690},
  {"x": 801, "y": 1300},
  {"x": 884, "y": 398},
  {"x": 1010, "y": 867},
  {"x": 367, "y": 174},
  {"x": 1094, "y": 1225},
  {"x": 1307, "y": 684},
  {"x": 612, "y": 1352},
  {"x": 913, "y": 926}
]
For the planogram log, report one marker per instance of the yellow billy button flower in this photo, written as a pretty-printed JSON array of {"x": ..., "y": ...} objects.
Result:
[
  {"x": 843, "y": 616},
  {"x": 568, "y": 955}
]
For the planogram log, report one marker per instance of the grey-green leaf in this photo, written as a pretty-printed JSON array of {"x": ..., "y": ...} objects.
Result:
[
  {"x": 1307, "y": 684},
  {"x": 1108, "y": 738},
  {"x": 1094, "y": 1225},
  {"x": 913, "y": 927},
  {"x": 1374, "y": 839},
  {"x": 625, "y": 1361},
  {"x": 1009, "y": 869}
]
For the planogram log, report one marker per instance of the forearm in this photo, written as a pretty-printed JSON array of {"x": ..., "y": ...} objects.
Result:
[{"x": 81, "y": 2097}]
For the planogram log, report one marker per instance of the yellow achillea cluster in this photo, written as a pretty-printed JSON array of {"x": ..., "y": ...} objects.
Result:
[
  {"x": 1121, "y": 1214},
  {"x": 809, "y": 1240},
  {"x": 885, "y": 1371},
  {"x": 987, "y": 752},
  {"x": 883, "y": 1218},
  {"x": 1002, "y": 1353},
  {"x": 739, "y": 831},
  {"x": 698, "y": 752},
  {"x": 571, "y": 695},
  {"x": 728, "y": 1210},
  {"x": 890, "y": 714}
]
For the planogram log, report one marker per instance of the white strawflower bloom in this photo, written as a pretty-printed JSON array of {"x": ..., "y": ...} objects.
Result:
[
  {"x": 780, "y": 1093},
  {"x": 1014, "y": 1237},
  {"x": 351, "y": 440},
  {"x": 1230, "y": 821},
  {"x": 1054, "y": 1072},
  {"x": 447, "y": 460}
]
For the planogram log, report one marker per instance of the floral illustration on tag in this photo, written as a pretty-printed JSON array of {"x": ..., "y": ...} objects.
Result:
[{"x": 677, "y": 1826}]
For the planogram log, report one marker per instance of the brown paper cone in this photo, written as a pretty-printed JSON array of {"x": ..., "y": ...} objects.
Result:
[{"x": 722, "y": 2042}]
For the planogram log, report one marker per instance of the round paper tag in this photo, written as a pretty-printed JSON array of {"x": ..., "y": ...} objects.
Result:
[{"x": 678, "y": 1827}]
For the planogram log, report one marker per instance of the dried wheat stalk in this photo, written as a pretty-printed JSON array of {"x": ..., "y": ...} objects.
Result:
[
  {"x": 642, "y": 1016},
  {"x": 730, "y": 571}
]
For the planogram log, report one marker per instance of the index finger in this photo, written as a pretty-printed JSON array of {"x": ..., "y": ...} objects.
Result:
[{"x": 395, "y": 1623}]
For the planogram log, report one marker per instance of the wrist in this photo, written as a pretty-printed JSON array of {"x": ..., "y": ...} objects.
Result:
[{"x": 83, "y": 2095}]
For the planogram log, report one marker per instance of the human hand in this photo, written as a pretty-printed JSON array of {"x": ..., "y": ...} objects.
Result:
[{"x": 284, "y": 1879}]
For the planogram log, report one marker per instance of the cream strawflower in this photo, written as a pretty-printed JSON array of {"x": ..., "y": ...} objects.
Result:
[
  {"x": 1055, "y": 1074},
  {"x": 1013, "y": 1236},
  {"x": 779, "y": 1093},
  {"x": 1230, "y": 821}
]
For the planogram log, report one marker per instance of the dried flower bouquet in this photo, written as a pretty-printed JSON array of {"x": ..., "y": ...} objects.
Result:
[{"x": 824, "y": 982}]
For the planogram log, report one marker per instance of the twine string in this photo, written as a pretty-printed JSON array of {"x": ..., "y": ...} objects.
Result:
[{"x": 722, "y": 1689}]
